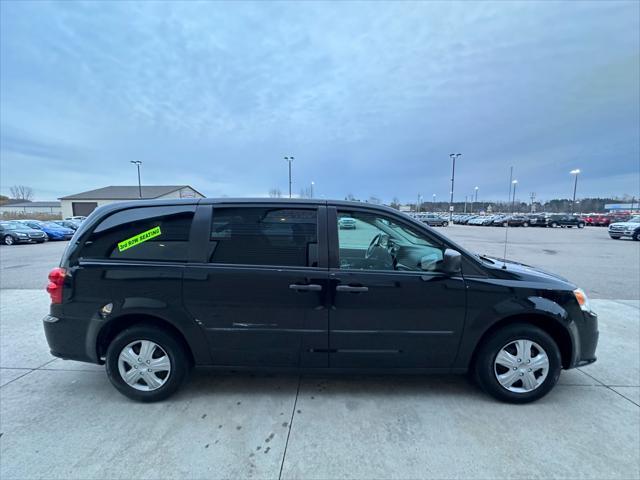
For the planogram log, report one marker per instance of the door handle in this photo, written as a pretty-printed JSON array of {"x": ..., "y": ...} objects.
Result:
[
  {"x": 312, "y": 287},
  {"x": 351, "y": 289}
]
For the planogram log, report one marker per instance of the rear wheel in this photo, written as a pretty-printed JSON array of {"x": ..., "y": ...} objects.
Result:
[
  {"x": 518, "y": 364},
  {"x": 525, "y": 224},
  {"x": 146, "y": 363},
  {"x": 505, "y": 224},
  {"x": 445, "y": 224},
  {"x": 636, "y": 235},
  {"x": 581, "y": 225},
  {"x": 554, "y": 224}
]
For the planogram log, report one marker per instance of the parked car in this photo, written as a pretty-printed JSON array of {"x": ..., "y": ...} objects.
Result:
[
  {"x": 77, "y": 218},
  {"x": 512, "y": 221},
  {"x": 435, "y": 221},
  {"x": 346, "y": 223},
  {"x": 564, "y": 220},
  {"x": 73, "y": 225},
  {"x": 12, "y": 233},
  {"x": 52, "y": 230},
  {"x": 150, "y": 288},
  {"x": 630, "y": 228}
]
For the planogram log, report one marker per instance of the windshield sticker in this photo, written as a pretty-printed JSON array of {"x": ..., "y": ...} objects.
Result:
[{"x": 138, "y": 239}]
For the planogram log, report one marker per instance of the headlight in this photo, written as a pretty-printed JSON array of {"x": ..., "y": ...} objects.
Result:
[
  {"x": 582, "y": 299},
  {"x": 21, "y": 234}
]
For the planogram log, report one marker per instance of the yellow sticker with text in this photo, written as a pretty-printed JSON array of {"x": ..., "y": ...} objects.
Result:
[{"x": 139, "y": 238}]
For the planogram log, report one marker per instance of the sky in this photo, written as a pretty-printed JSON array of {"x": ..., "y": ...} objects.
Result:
[{"x": 370, "y": 98}]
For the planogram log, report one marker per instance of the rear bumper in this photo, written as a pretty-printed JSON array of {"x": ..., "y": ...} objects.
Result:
[{"x": 70, "y": 338}]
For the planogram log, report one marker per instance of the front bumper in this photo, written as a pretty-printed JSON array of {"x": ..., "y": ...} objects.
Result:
[{"x": 588, "y": 336}]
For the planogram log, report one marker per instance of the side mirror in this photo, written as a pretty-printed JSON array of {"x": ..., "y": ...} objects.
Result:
[{"x": 451, "y": 262}]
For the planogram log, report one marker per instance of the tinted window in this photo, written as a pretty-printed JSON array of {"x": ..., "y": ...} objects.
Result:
[
  {"x": 264, "y": 236},
  {"x": 148, "y": 233},
  {"x": 379, "y": 243}
]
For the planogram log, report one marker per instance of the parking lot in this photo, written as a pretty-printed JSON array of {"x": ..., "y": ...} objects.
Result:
[{"x": 63, "y": 419}]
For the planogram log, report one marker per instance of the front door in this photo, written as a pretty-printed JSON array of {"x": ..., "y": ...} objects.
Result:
[
  {"x": 391, "y": 307},
  {"x": 259, "y": 284}
]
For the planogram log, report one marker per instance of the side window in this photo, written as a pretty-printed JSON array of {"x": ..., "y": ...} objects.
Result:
[
  {"x": 373, "y": 242},
  {"x": 146, "y": 233},
  {"x": 264, "y": 236}
]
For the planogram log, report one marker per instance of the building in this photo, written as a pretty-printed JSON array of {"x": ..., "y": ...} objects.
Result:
[
  {"x": 86, "y": 202},
  {"x": 27, "y": 208}
]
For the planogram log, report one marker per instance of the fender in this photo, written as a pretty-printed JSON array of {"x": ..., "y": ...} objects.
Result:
[{"x": 482, "y": 316}]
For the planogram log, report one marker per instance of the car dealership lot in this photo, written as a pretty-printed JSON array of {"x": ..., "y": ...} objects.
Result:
[{"x": 62, "y": 419}]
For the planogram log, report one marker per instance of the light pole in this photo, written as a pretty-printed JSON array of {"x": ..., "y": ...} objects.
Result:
[
  {"x": 434, "y": 202},
  {"x": 532, "y": 196},
  {"x": 312, "y": 184},
  {"x": 513, "y": 203},
  {"x": 575, "y": 172},
  {"x": 465, "y": 203},
  {"x": 418, "y": 203},
  {"x": 475, "y": 192},
  {"x": 137, "y": 163},
  {"x": 289, "y": 161},
  {"x": 453, "y": 157}
]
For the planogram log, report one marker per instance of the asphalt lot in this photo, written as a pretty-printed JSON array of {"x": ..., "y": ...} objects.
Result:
[
  {"x": 63, "y": 419},
  {"x": 604, "y": 268}
]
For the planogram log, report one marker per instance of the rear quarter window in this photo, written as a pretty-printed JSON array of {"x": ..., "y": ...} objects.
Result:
[{"x": 144, "y": 233}]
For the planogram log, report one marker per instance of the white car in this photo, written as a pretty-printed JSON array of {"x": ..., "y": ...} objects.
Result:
[
  {"x": 78, "y": 218},
  {"x": 630, "y": 228}
]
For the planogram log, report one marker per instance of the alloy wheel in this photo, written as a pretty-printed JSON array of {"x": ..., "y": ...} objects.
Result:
[
  {"x": 8, "y": 240},
  {"x": 144, "y": 365},
  {"x": 521, "y": 366}
]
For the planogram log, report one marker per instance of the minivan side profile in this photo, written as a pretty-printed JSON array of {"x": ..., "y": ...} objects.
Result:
[{"x": 151, "y": 289}]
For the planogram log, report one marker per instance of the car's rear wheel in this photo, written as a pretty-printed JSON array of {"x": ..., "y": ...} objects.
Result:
[
  {"x": 146, "y": 363},
  {"x": 525, "y": 224},
  {"x": 8, "y": 240},
  {"x": 505, "y": 224},
  {"x": 445, "y": 224},
  {"x": 636, "y": 236},
  {"x": 518, "y": 364},
  {"x": 554, "y": 224},
  {"x": 581, "y": 225}
]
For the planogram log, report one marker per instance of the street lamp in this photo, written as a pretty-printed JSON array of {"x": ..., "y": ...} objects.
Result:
[
  {"x": 312, "y": 184},
  {"x": 289, "y": 160},
  {"x": 476, "y": 198},
  {"x": 434, "y": 202},
  {"x": 575, "y": 172},
  {"x": 137, "y": 163},
  {"x": 513, "y": 203},
  {"x": 418, "y": 203},
  {"x": 453, "y": 157}
]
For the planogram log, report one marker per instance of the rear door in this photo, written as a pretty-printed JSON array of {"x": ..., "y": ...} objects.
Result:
[
  {"x": 391, "y": 308},
  {"x": 257, "y": 284}
]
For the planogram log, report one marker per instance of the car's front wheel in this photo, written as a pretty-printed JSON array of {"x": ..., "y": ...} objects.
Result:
[
  {"x": 581, "y": 225},
  {"x": 8, "y": 240},
  {"x": 146, "y": 363},
  {"x": 615, "y": 237},
  {"x": 445, "y": 224},
  {"x": 518, "y": 364}
]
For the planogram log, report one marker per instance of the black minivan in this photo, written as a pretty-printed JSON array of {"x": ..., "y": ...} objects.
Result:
[{"x": 153, "y": 288}]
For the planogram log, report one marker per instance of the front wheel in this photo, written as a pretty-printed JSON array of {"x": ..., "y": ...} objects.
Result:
[
  {"x": 525, "y": 224},
  {"x": 554, "y": 224},
  {"x": 8, "y": 240},
  {"x": 518, "y": 364},
  {"x": 146, "y": 363},
  {"x": 615, "y": 237},
  {"x": 445, "y": 224},
  {"x": 581, "y": 225}
]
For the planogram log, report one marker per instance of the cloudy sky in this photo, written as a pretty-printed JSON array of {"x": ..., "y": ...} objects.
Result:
[{"x": 370, "y": 98}]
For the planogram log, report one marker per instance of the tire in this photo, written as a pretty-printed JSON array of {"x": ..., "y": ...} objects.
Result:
[
  {"x": 445, "y": 224},
  {"x": 553, "y": 225},
  {"x": 636, "y": 235},
  {"x": 525, "y": 224},
  {"x": 505, "y": 224},
  {"x": 543, "y": 379},
  {"x": 581, "y": 225},
  {"x": 132, "y": 339},
  {"x": 8, "y": 240},
  {"x": 615, "y": 237}
]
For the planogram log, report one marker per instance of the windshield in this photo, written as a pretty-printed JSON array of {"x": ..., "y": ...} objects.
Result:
[{"x": 635, "y": 219}]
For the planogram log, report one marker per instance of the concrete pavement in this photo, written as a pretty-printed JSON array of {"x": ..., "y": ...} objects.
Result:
[{"x": 62, "y": 419}]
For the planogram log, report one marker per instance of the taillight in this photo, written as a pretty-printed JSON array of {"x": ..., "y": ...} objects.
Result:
[{"x": 56, "y": 283}]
